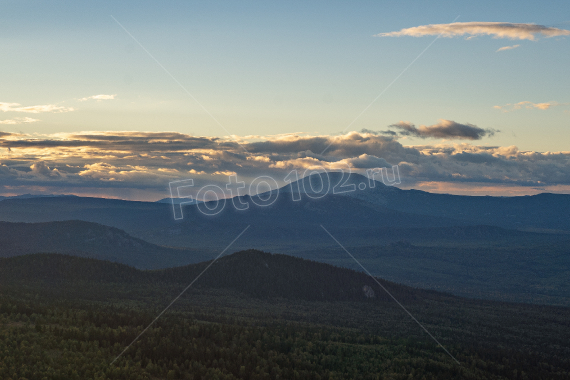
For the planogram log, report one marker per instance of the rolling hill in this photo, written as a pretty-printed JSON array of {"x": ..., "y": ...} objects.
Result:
[
  {"x": 86, "y": 239},
  {"x": 255, "y": 273},
  {"x": 498, "y": 270}
]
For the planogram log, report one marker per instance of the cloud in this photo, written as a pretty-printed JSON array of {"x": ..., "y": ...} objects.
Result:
[
  {"x": 18, "y": 120},
  {"x": 351, "y": 144},
  {"x": 99, "y": 97},
  {"x": 445, "y": 129},
  {"x": 41, "y": 169},
  {"x": 364, "y": 161},
  {"x": 145, "y": 162},
  {"x": 509, "y": 30},
  {"x": 16, "y": 107},
  {"x": 507, "y": 48},
  {"x": 133, "y": 142},
  {"x": 529, "y": 105}
]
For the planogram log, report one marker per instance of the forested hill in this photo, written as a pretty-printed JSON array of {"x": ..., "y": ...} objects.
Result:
[
  {"x": 87, "y": 239},
  {"x": 252, "y": 272},
  {"x": 51, "y": 269},
  {"x": 264, "y": 274}
]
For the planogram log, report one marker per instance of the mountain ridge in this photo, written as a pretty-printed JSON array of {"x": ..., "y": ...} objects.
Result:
[
  {"x": 545, "y": 211},
  {"x": 252, "y": 272},
  {"x": 87, "y": 239}
]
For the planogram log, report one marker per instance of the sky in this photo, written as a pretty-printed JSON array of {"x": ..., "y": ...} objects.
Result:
[{"x": 117, "y": 99}]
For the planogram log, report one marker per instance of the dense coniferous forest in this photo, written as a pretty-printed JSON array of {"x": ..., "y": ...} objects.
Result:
[{"x": 254, "y": 315}]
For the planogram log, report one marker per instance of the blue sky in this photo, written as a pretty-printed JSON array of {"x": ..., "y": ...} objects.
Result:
[{"x": 268, "y": 68}]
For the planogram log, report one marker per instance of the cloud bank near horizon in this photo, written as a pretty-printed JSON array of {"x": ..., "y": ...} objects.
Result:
[{"x": 116, "y": 162}]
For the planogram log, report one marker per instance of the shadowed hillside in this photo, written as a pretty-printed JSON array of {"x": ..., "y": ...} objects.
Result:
[
  {"x": 254, "y": 273},
  {"x": 87, "y": 239}
]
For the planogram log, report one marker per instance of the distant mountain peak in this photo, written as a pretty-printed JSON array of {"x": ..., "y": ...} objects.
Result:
[
  {"x": 30, "y": 196},
  {"x": 334, "y": 183}
]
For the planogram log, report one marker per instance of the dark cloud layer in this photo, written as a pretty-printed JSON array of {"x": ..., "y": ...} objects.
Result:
[
  {"x": 445, "y": 129},
  {"x": 134, "y": 142}
]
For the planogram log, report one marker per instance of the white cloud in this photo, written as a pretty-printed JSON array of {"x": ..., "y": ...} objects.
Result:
[
  {"x": 364, "y": 161},
  {"x": 509, "y": 30},
  {"x": 41, "y": 169},
  {"x": 19, "y": 120},
  {"x": 507, "y": 48},
  {"x": 16, "y": 107},
  {"x": 529, "y": 105},
  {"x": 99, "y": 97}
]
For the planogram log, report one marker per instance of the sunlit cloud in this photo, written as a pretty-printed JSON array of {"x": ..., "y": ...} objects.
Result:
[
  {"x": 98, "y": 97},
  {"x": 16, "y": 107},
  {"x": 41, "y": 169},
  {"x": 507, "y": 48},
  {"x": 19, "y": 120},
  {"x": 513, "y": 31},
  {"x": 147, "y": 161},
  {"x": 529, "y": 105}
]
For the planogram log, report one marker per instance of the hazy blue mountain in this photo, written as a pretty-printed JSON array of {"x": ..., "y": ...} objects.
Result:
[
  {"x": 285, "y": 223},
  {"x": 542, "y": 211},
  {"x": 533, "y": 274},
  {"x": 489, "y": 262},
  {"x": 176, "y": 201},
  {"x": 28, "y": 196},
  {"x": 346, "y": 184},
  {"x": 373, "y": 216},
  {"x": 93, "y": 240}
]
